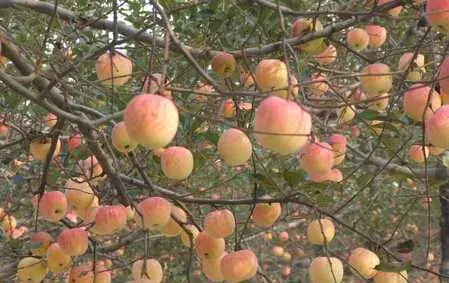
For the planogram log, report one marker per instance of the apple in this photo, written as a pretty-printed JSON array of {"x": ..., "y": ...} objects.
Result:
[
  {"x": 31, "y": 269},
  {"x": 339, "y": 144},
  {"x": 177, "y": 162},
  {"x": 147, "y": 271},
  {"x": 211, "y": 268},
  {"x": 345, "y": 114},
  {"x": 113, "y": 69},
  {"x": 248, "y": 81},
  {"x": 51, "y": 119},
  {"x": 416, "y": 99},
  {"x": 219, "y": 223},
  {"x": 223, "y": 64},
  {"x": 272, "y": 77},
  {"x": 234, "y": 147},
  {"x": 78, "y": 193},
  {"x": 417, "y": 154},
  {"x": 189, "y": 234},
  {"x": 377, "y": 35},
  {"x": 391, "y": 277},
  {"x": 319, "y": 85},
  {"x": 74, "y": 141},
  {"x": 437, "y": 128},
  {"x": 91, "y": 169},
  {"x": 265, "y": 214},
  {"x": 443, "y": 77},
  {"x": 326, "y": 270},
  {"x": 208, "y": 247},
  {"x": 321, "y": 231},
  {"x": 376, "y": 79},
  {"x": 437, "y": 14},
  {"x": 278, "y": 251},
  {"x": 364, "y": 262},
  {"x": 358, "y": 39},
  {"x": 227, "y": 109},
  {"x": 57, "y": 260},
  {"x": 379, "y": 102},
  {"x": 302, "y": 27},
  {"x": 73, "y": 241},
  {"x": 109, "y": 219},
  {"x": 41, "y": 148},
  {"x": 283, "y": 236},
  {"x": 53, "y": 206},
  {"x": 328, "y": 56},
  {"x": 151, "y": 120},
  {"x": 333, "y": 175},
  {"x": 392, "y": 12},
  {"x": 415, "y": 69},
  {"x": 41, "y": 241},
  {"x": 120, "y": 138},
  {"x": 282, "y": 126},
  {"x": 155, "y": 212},
  {"x": 239, "y": 266},
  {"x": 172, "y": 228},
  {"x": 205, "y": 90},
  {"x": 316, "y": 158}
]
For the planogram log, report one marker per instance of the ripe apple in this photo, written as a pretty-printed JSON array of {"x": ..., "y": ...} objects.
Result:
[
  {"x": 73, "y": 241},
  {"x": 113, "y": 68},
  {"x": 53, "y": 206},
  {"x": 177, "y": 162},
  {"x": 328, "y": 56},
  {"x": 437, "y": 128},
  {"x": 189, "y": 234},
  {"x": 219, "y": 223},
  {"x": 415, "y": 69},
  {"x": 338, "y": 143},
  {"x": 281, "y": 125},
  {"x": 109, "y": 219},
  {"x": 151, "y": 120},
  {"x": 172, "y": 228},
  {"x": 392, "y": 12},
  {"x": 272, "y": 77},
  {"x": 377, "y": 35},
  {"x": 224, "y": 64},
  {"x": 121, "y": 140},
  {"x": 391, "y": 277},
  {"x": 41, "y": 241},
  {"x": 31, "y": 269},
  {"x": 239, "y": 266},
  {"x": 266, "y": 214},
  {"x": 155, "y": 212},
  {"x": 415, "y": 100},
  {"x": 358, "y": 39},
  {"x": 208, "y": 247},
  {"x": 417, "y": 154},
  {"x": 376, "y": 79},
  {"x": 41, "y": 148},
  {"x": 152, "y": 273},
  {"x": 437, "y": 14},
  {"x": 234, "y": 147},
  {"x": 321, "y": 231},
  {"x": 316, "y": 158},
  {"x": 74, "y": 141},
  {"x": 302, "y": 27},
  {"x": 51, "y": 119},
  {"x": 91, "y": 169},
  {"x": 248, "y": 81},
  {"x": 211, "y": 268},
  {"x": 333, "y": 175},
  {"x": 379, "y": 102},
  {"x": 57, "y": 260},
  {"x": 79, "y": 194},
  {"x": 364, "y": 262},
  {"x": 227, "y": 109},
  {"x": 319, "y": 85},
  {"x": 326, "y": 270}
]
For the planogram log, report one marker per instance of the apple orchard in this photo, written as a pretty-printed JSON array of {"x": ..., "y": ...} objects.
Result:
[{"x": 224, "y": 141}]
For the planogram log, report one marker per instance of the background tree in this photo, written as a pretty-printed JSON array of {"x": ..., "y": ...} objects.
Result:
[{"x": 198, "y": 141}]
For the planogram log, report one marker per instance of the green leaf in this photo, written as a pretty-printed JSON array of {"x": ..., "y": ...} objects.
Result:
[
  {"x": 293, "y": 177},
  {"x": 370, "y": 115},
  {"x": 393, "y": 267}
]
